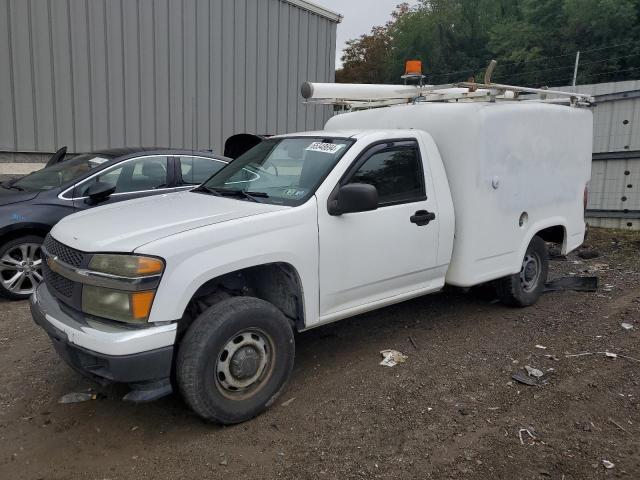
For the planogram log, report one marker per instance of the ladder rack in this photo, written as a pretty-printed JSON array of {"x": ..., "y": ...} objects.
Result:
[{"x": 362, "y": 96}]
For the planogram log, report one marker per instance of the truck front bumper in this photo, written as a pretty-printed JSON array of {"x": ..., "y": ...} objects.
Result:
[{"x": 141, "y": 357}]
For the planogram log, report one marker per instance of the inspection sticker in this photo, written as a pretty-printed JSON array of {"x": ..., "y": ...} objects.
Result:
[{"x": 324, "y": 147}]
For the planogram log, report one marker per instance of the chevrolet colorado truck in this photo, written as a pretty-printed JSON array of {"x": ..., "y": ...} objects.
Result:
[{"x": 202, "y": 291}]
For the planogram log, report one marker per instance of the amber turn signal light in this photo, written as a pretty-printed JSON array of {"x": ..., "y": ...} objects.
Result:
[{"x": 141, "y": 304}]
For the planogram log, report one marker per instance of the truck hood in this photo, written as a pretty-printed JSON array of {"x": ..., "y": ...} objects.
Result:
[{"x": 125, "y": 226}]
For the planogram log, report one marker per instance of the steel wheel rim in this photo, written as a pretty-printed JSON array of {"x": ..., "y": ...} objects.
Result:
[
  {"x": 244, "y": 364},
  {"x": 530, "y": 272},
  {"x": 21, "y": 268}
]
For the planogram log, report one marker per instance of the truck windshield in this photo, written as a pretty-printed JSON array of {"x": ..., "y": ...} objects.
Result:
[
  {"x": 59, "y": 174},
  {"x": 282, "y": 171}
]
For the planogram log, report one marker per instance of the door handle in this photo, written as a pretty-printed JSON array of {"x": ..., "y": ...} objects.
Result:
[{"x": 422, "y": 217}]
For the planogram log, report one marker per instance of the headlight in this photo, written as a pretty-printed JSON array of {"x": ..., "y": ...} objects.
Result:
[
  {"x": 126, "y": 265},
  {"x": 131, "y": 307},
  {"x": 123, "y": 298}
]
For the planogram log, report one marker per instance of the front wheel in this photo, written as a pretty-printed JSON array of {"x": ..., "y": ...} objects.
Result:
[
  {"x": 20, "y": 267},
  {"x": 235, "y": 359},
  {"x": 524, "y": 288}
]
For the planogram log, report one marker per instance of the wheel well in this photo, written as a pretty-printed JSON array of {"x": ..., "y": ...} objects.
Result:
[
  {"x": 276, "y": 283},
  {"x": 556, "y": 234},
  {"x": 21, "y": 232}
]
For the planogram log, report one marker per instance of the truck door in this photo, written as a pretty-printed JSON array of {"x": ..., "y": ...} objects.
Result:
[{"x": 373, "y": 256}]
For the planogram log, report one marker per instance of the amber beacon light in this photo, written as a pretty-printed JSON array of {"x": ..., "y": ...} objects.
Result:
[{"x": 413, "y": 67}]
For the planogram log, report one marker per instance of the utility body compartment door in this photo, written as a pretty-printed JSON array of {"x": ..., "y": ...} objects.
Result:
[{"x": 372, "y": 258}]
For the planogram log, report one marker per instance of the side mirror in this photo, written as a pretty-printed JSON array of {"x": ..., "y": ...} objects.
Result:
[
  {"x": 99, "y": 192},
  {"x": 352, "y": 198},
  {"x": 57, "y": 157}
]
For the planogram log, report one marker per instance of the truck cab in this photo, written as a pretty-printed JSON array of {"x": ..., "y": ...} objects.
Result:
[{"x": 305, "y": 229}]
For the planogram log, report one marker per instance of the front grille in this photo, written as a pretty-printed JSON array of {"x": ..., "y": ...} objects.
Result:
[
  {"x": 66, "y": 254},
  {"x": 67, "y": 291},
  {"x": 57, "y": 282}
]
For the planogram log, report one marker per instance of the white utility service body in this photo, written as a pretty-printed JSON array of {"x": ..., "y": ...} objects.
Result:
[
  {"x": 496, "y": 174},
  {"x": 502, "y": 159}
]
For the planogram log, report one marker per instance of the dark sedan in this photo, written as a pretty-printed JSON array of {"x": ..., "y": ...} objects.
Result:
[{"x": 32, "y": 205}]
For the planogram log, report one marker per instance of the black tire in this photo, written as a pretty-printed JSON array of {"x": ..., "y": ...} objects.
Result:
[
  {"x": 517, "y": 291},
  {"x": 11, "y": 250},
  {"x": 199, "y": 365}
]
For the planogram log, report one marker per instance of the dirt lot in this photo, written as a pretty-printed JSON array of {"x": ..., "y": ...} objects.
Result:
[{"x": 451, "y": 411}]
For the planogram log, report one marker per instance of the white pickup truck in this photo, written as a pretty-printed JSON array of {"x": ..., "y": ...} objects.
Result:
[{"x": 207, "y": 287}]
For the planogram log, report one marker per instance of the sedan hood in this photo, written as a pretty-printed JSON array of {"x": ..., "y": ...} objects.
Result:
[
  {"x": 9, "y": 196},
  {"x": 125, "y": 226}
]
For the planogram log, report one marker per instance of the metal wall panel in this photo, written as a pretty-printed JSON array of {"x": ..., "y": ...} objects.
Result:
[
  {"x": 7, "y": 102},
  {"x": 616, "y": 124},
  {"x": 615, "y": 185},
  {"x": 251, "y": 67},
  {"x": 619, "y": 223},
  {"x": 79, "y": 75},
  {"x": 614, "y": 189},
  {"x": 95, "y": 74},
  {"x": 115, "y": 73},
  {"x": 203, "y": 44},
  {"x": 42, "y": 72},
  {"x": 25, "y": 108}
]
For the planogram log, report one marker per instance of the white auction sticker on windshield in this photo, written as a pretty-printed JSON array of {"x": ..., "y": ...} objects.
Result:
[
  {"x": 324, "y": 147},
  {"x": 98, "y": 160}
]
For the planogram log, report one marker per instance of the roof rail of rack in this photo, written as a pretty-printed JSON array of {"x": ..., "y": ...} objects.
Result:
[{"x": 358, "y": 96}]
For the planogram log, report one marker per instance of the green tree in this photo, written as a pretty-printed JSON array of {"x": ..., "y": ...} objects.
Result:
[
  {"x": 539, "y": 43},
  {"x": 534, "y": 41},
  {"x": 447, "y": 35},
  {"x": 366, "y": 59}
]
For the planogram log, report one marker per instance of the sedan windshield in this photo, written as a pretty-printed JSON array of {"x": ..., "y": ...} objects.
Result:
[
  {"x": 59, "y": 174},
  {"x": 282, "y": 171}
]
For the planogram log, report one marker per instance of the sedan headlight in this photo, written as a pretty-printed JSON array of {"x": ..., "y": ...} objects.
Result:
[{"x": 124, "y": 287}]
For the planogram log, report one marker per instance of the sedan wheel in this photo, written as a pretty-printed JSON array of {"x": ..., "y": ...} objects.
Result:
[{"x": 20, "y": 267}]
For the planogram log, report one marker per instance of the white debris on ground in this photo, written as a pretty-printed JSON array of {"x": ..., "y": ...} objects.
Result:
[
  {"x": 77, "y": 397},
  {"x": 607, "y": 464},
  {"x": 392, "y": 357},
  {"x": 533, "y": 372}
]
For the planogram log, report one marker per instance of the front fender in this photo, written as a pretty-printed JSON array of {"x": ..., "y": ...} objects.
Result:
[
  {"x": 194, "y": 257},
  {"x": 28, "y": 216}
]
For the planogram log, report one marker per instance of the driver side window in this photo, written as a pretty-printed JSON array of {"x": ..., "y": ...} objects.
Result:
[
  {"x": 396, "y": 172},
  {"x": 141, "y": 174}
]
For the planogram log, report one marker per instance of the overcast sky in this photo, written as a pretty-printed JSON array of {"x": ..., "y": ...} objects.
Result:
[{"x": 359, "y": 17}]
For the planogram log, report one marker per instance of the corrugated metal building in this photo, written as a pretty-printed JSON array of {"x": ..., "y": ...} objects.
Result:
[
  {"x": 614, "y": 190},
  {"x": 94, "y": 74}
]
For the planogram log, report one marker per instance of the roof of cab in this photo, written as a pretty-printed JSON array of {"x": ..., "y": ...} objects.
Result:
[{"x": 324, "y": 134}]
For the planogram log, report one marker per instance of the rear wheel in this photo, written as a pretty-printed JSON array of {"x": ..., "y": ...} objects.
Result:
[
  {"x": 235, "y": 359},
  {"x": 524, "y": 288},
  {"x": 20, "y": 267}
]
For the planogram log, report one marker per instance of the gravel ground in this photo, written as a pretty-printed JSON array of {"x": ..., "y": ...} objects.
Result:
[{"x": 450, "y": 411}]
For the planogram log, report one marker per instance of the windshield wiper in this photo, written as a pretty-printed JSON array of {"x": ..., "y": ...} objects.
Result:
[
  {"x": 224, "y": 192},
  {"x": 13, "y": 187},
  {"x": 243, "y": 193},
  {"x": 252, "y": 196},
  {"x": 205, "y": 189}
]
